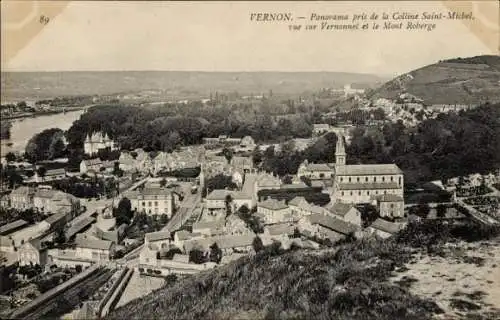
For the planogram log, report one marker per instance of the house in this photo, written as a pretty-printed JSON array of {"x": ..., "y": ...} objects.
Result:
[
  {"x": 320, "y": 129},
  {"x": 52, "y": 201},
  {"x": 8, "y": 228},
  {"x": 217, "y": 199},
  {"x": 242, "y": 164},
  {"x": 209, "y": 228},
  {"x": 127, "y": 162},
  {"x": 22, "y": 198},
  {"x": 159, "y": 239},
  {"x": 55, "y": 221},
  {"x": 51, "y": 175},
  {"x": 384, "y": 228},
  {"x": 280, "y": 231},
  {"x": 180, "y": 237},
  {"x": 94, "y": 249},
  {"x": 32, "y": 253},
  {"x": 152, "y": 201},
  {"x": 273, "y": 211},
  {"x": 345, "y": 211},
  {"x": 325, "y": 226},
  {"x": 300, "y": 207},
  {"x": 98, "y": 141},
  {"x": 76, "y": 227},
  {"x": 235, "y": 243},
  {"x": 7, "y": 244},
  {"x": 358, "y": 183},
  {"x": 390, "y": 205},
  {"x": 180, "y": 258},
  {"x": 315, "y": 171},
  {"x": 4, "y": 201},
  {"x": 234, "y": 225},
  {"x": 93, "y": 164}
]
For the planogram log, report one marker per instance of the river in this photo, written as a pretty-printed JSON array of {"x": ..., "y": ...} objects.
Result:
[{"x": 25, "y": 128}]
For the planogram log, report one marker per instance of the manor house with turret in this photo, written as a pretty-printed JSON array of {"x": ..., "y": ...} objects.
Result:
[{"x": 98, "y": 141}]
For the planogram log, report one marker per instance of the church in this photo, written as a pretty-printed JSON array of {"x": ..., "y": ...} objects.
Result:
[
  {"x": 363, "y": 183},
  {"x": 98, "y": 141}
]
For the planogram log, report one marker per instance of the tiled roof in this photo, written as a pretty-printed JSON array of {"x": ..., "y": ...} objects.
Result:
[
  {"x": 298, "y": 201},
  {"x": 367, "y": 169},
  {"x": 331, "y": 223},
  {"x": 318, "y": 167},
  {"x": 321, "y": 126},
  {"x": 84, "y": 242},
  {"x": 281, "y": 228},
  {"x": 22, "y": 191},
  {"x": 208, "y": 224},
  {"x": 55, "y": 172},
  {"x": 340, "y": 209},
  {"x": 93, "y": 162},
  {"x": 55, "y": 218},
  {"x": 218, "y": 194},
  {"x": 182, "y": 258},
  {"x": 183, "y": 235},
  {"x": 76, "y": 227},
  {"x": 294, "y": 186},
  {"x": 6, "y": 228},
  {"x": 157, "y": 236},
  {"x": 49, "y": 194},
  {"x": 368, "y": 186},
  {"x": 389, "y": 198},
  {"x": 273, "y": 204},
  {"x": 386, "y": 226},
  {"x": 154, "y": 191},
  {"x": 237, "y": 241},
  {"x": 6, "y": 241}
]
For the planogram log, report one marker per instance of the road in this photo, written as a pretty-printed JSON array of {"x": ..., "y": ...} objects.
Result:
[
  {"x": 481, "y": 217},
  {"x": 185, "y": 210}
]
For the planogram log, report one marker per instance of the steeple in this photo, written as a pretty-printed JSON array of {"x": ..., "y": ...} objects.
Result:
[{"x": 340, "y": 155}]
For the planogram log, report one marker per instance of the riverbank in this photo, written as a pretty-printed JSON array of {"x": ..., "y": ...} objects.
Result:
[{"x": 42, "y": 113}]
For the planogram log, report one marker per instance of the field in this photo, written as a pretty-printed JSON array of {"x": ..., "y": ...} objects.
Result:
[{"x": 32, "y": 85}]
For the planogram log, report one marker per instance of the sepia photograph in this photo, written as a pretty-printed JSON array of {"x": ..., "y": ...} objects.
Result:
[{"x": 250, "y": 160}]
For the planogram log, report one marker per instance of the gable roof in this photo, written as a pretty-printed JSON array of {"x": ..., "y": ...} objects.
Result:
[
  {"x": 386, "y": 226},
  {"x": 216, "y": 224},
  {"x": 218, "y": 194},
  {"x": 56, "y": 217},
  {"x": 93, "y": 162},
  {"x": 273, "y": 204},
  {"x": 157, "y": 236},
  {"x": 331, "y": 223},
  {"x": 367, "y": 169},
  {"x": 9, "y": 227},
  {"x": 339, "y": 209},
  {"x": 22, "y": 191},
  {"x": 55, "y": 172},
  {"x": 182, "y": 258},
  {"x": 389, "y": 198},
  {"x": 85, "y": 242},
  {"x": 318, "y": 167},
  {"x": 280, "y": 228},
  {"x": 368, "y": 186}
]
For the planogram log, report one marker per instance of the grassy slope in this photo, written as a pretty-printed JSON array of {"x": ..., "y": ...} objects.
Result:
[
  {"x": 465, "y": 81},
  {"x": 348, "y": 283}
]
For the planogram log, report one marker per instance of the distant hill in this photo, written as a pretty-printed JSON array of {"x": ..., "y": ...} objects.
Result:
[
  {"x": 37, "y": 85},
  {"x": 455, "y": 81}
]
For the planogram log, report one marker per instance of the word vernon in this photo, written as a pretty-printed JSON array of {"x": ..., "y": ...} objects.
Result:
[{"x": 264, "y": 17}]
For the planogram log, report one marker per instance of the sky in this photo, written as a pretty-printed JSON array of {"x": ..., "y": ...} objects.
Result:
[{"x": 217, "y": 36}]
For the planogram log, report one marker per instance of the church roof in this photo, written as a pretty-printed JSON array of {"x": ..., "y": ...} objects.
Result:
[
  {"x": 368, "y": 186},
  {"x": 367, "y": 169}
]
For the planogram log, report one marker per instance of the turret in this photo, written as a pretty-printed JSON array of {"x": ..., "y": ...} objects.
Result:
[{"x": 340, "y": 154}]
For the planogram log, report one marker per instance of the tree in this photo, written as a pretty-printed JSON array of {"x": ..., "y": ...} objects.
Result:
[
  {"x": 163, "y": 182},
  {"x": 41, "y": 171},
  {"x": 215, "y": 253},
  {"x": 60, "y": 236},
  {"x": 197, "y": 256},
  {"x": 441, "y": 211},
  {"x": 124, "y": 211},
  {"x": 423, "y": 210},
  {"x": 228, "y": 154},
  {"x": 228, "y": 202},
  {"x": 10, "y": 157},
  {"x": 257, "y": 244}
]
